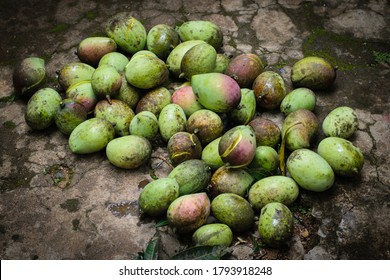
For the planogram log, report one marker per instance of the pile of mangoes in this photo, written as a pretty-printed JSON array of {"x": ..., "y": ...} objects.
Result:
[{"x": 226, "y": 162}]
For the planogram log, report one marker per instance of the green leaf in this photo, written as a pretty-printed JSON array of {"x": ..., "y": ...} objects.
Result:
[
  {"x": 151, "y": 251},
  {"x": 161, "y": 223},
  {"x": 202, "y": 253}
]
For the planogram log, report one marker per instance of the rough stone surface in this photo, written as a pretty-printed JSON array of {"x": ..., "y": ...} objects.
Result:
[{"x": 58, "y": 205}]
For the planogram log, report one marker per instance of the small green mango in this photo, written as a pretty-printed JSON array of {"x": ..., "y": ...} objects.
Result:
[
  {"x": 146, "y": 72},
  {"x": 221, "y": 63},
  {"x": 117, "y": 112},
  {"x": 74, "y": 72},
  {"x": 128, "y": 32},
  {"x": 157, "y": 195},
  {"x": 201, "y": 30},
  {"x": 129, "y": 94},
  {"x": 213, "y": 235},
  {"x": 106, "y": 81},
  {"x": 128, "y": 151},
  {"x": 175, "y": 57},
  {"x": 171, "y": 120},
  {"x": 266, "y": 159},
  {"x": 300, "y": 98},
  {"x": 115, "y": 59},
  {"x": 42, "y": 108},
  {"x": 92, "y": 49},
  {"x": 340, "y": 122},
  {"x": 91, "y": 136},
  {"x": 82, "y": 93},
  {"x": 210, "y": 154},
  {"x": 70, "y": 115},
  {"x": 245, "y": 110},
  {"x": 29, "y": 75},
  {"x": 342, "y": 155},
  {"x": 273, "y": 189},
  {"x": 311, "y": 171},
  {"x": 198, "y": 60},
  {"x": 276, "y": 224},
  {"x": 313, "y": 72},
  {"x": 161, "y": 39},
  {"x": 233, "y": 210},
  {"x": 192, "y": 175},
  {"x": 144, "y": 124}
]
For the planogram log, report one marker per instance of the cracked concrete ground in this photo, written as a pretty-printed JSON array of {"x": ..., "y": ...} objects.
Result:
[{"x": 57, "y": 205}]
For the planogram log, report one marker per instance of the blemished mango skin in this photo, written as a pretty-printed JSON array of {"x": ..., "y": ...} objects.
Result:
[
  {"x": 244, "y": 68},
  {"x": 314, "y": 73},
  {"x": 343, "y": 156},
  {"x": 311, "y": 171},
  {"x": 171, "y": 120},
  {"x": 269, "y": 89},
  {"x": 29, "y": 75},
  {"x": 213, "y": 235},
  {"x": 129, "y": 151},
  {"x": 234, "y": 211},
  {"x": 91, "y": 136},
  {"x": 188, "y": 212},
  {"x": 144, "y": 124},
  {"x": 201, "y": 30},
  {"x": 161, "y": 39},
  {"x": 157, "y": 195},
  {"x": 340, "y": 122},
  {"x": 73, "y": 73},
  {"x": 92, "y": 49},
  {"x": 276, "y": 224}
]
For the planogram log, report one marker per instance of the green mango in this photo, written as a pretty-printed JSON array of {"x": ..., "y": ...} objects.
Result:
[
  {"x": 42, "y": 108},
  {"x": 144, "y": 124},
  {"x": 175, "y": 57},
  {"x": 106, "y": 81},
  {"x": 266, "y": 160},
  {"x": 213, "y": 235},
  {"x": 157, "y": 195},
  {"x": 276, "y": 224},
  {"x": 342, "y": 155},
  {"x": 128, "y": 152},
  {"x": 221, "y": 63},
  {"x": 83, "y": 93},
  {"x": 117, "y": 112},
  {"x": 210, "y": 154},
  {"x": 313, "y": 72},
  {"x": 146, "y": 72},
  {"x": 192, "y": 175},
  {"x": 245, "y": 110},
  {"x": 115, "y": 59},
  {"x": 299, "y": 98},
  {"x": 161, "y": 39},
  {"x": 201, "y": 30},
  {"x": 311, "y": 171},
  {"x": 171, "y": 120},
  {"x": 233, "y": 210},
  {"x": 299, "y": 129},
  {"x": 273, "y": 189},
  {"x": 128, "y": 32},
  {"x": 198, "y": 60},
  {"x": 129, "y": 94},
  {"x": 74, "y": 72},
  {"x": 91, "y": 136},
  {"x": 92, "y": 49},
  {"x": 29, "y": 75},
  {"x": 70, "y": 115},
  {"x": 341, "y": 122}
]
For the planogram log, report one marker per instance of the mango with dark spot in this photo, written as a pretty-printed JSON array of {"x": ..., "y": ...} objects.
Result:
[
  {"x": 183, "y": 146},
  {"x": 171, "y": 120},
  {"x": 267, "y": 132},
  {"x": 206, "y": 125},
  {"x": 234, "y": 211},
  {"x": 83, "y": 93},
  {"x": 29, "y": 75},
  {"x": 340, "y": 122},
  {"x": 269, "y": 89},
  {"x": 74, "y": 72},
  {"x": 70, "y": 115},
  {"x": 161, "y": 39},
  {"x": 213, "y": 235},
  {"x": 343, "y": 156},
  {"x": 314, "y": 73},
  {"x": 106, "y": 81},
  {"x": 144, "y": 124},
  {"x": 276, "y": 224},
  {"x": 201, "y": 30},
  {"x": 154, "y": 100},
  {"x": 245, "y": 110}
]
